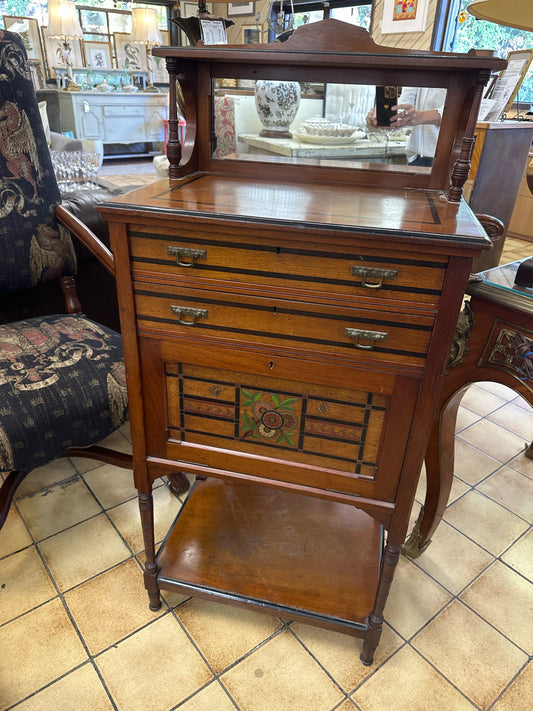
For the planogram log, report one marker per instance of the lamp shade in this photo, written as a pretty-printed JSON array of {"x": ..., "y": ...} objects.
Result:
[
  {"x": 145, "y": 26},
  {"x": 512, "y": 13},
  {"x": 63, "y": 19}
]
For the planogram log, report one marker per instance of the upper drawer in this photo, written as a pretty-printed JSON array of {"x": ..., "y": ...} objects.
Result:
[
  {"x": 124, "y": 110},
  {"x": 355, "y": 333},
  {"x": 370, "y": 272}
]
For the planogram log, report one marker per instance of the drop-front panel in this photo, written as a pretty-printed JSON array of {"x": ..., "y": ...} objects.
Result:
[{"x": 287, "y": 342}]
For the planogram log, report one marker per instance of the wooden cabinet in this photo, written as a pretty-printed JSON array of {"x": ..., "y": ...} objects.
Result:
[
  {"x": 286, "y": 328},
  {"x": 114, "y": 118}
]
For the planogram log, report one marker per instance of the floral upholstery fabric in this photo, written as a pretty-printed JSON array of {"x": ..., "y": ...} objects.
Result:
[
  {"x": 62, "y": 384},
  {"x": 35, "y": 248},
  {"x": 225, "y": 126},
  {"x": 62, "y": 380}
]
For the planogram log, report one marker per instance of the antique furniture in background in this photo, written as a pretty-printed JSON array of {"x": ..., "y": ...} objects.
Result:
[
  {"x": 494, "y": 342},
  {"x": 62, "y": 381},
  {"x": 286, "y": 327},
  {"x": 500, "y": 145}
]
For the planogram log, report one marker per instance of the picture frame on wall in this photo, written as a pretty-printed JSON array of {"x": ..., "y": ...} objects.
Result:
[
  {"x": 130, "y": 56},
  {"x": 28, "y": 29},
  {"x": 240, "y": 9},
  {"x": 404, "y": 16},
  {"x": 54, "y": 52},
  {"x": 98, "y": 55},
  {"x": 251, "y": 34}
]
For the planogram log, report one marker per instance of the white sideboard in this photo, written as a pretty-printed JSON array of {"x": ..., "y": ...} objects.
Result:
[{"x": 114, "y": 117}]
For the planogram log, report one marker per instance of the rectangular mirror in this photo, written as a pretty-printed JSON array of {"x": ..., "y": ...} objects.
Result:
[{"x": 323, "y": 124}]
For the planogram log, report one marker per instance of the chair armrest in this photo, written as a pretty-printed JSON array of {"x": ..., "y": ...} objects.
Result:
[{"x": 87, "y": 238}]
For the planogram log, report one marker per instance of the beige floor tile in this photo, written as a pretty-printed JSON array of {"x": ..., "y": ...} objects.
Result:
[
  {"x": 339, "y": 653},
  {"x": 414, "y": 599},
  {"x": 79, "y": 553},
  {"x": 281, "y": 669},
  {"x": 14, "y": 535},
  {"x": 472, "y": 465},
  {"x": 505, "y": 599},
  {"x": 111, "y": 606},
  {"x": 481, "y": 401},
  {"x": 37, "y": 648},
  {"x": 346, "y": 706},
  {"x": 493, "y": 440},
  {"x": 173, "y": 599},
  {"x": 465, "y": 418},
  {"x": 127, "y": 519},
  {"x": 452, "y": 559},
  {"x": 24, "y": 584},
  {"x": 212, "y": 698},
  {"x": 117, "y": 440},
  {"x": 225, "y": 633},
  {"x": 111, "y": 485},
  {"x": 58, "y": 507},
  {"x": 511, "y": 489},
  {"x": 81, "y": 689},
  {"x": 486, "y": 522},
  {"x": 520, "y": 556},
  {"x": 514, "y": 418},
  {"x": 408, "y": 683},
  {"x": 154, "y": 669},
  {"x": 48, "y": 475},
  {"x": 522, "y": 464},
  {"x": 520, "y": 401},
  {"x": 497, "y": 389},
  {"x": 519, "y": 695},
  {"x": 476, "y": 658}
]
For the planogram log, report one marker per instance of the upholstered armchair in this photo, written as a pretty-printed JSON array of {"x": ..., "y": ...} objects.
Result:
[{"x": 62, "y": 377}]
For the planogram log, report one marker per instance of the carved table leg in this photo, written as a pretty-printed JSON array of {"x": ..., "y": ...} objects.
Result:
[
  {"x": 151, "y": 569},
  {"x": 372, "y": 636},
  {"x": 440, "y": 456}
]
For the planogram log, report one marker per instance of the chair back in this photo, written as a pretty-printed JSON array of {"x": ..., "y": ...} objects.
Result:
[{"x": 34, "y": 248}]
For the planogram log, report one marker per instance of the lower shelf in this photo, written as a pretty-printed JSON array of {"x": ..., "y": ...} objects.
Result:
[{"x": 296, "y": 555}]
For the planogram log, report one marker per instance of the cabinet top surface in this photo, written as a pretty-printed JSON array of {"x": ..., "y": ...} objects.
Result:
[{"x": 398, "y": 211}]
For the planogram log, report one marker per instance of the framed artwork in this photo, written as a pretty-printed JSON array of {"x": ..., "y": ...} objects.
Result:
[
  {"x": 240, "y": 9},
  {"x": 129, "y": 55},
  {"x": 404, "y": 16},
  {"x": 28, "y": 29},
  {"x": 507, "y": 83},
  {"x": 37, "y": 73},
  {"x": 158, "y": 64},
  {"x": 54, "y": 53},
  {"x": 98, "y": 55},
  {"x": 251, "y": 34}
]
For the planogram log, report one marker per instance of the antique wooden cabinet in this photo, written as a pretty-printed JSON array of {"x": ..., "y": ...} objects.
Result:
[{"x": 286, "y": 326}]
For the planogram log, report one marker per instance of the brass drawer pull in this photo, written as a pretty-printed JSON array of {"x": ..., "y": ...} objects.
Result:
[
  {"x": 186, "y": 253},
  {"x": 182, "y": 311},
  {"x": 374, "y": 273},
  {"x": 359, "y": 335}
]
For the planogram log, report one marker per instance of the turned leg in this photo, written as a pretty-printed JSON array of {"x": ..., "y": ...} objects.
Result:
[
  {"x": 440, "y": 456},
  {"x": 372, "y": 636},
  {"x": 151, "y": 569}
]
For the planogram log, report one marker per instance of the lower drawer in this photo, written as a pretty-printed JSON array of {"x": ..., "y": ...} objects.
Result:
[
  {"x": 335, "y": 429},
  {"x": 387, "y": 336}
]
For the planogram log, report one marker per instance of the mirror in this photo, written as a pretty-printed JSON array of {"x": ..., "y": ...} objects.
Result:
[{"x": 326, "y": 124}]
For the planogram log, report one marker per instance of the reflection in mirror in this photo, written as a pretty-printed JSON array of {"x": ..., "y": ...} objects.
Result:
[{"x": 307, "y": 122}]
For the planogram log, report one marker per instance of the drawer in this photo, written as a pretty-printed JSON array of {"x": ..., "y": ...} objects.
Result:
[
  {"x": 354, "y": 333},
  {"x": 236, "y": 413},
  {"x": 371, "y": 272},
  {"x": 123, "y": 110}
]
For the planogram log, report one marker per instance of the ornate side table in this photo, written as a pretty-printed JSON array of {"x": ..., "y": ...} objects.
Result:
[{"x": 493, "y": 341}]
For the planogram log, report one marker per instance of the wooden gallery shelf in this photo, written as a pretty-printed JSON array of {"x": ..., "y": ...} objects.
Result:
[{"x": 246, "y": 544}]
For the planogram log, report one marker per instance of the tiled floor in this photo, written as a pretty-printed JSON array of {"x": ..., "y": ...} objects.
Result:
[{"x": 76, "y": 631}]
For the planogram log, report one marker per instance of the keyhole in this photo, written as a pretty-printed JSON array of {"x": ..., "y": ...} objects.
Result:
[
  {"x": 271, "y": 365},
  {"x": 275, "y": 310},
  {"x": 278, "y": 250}
]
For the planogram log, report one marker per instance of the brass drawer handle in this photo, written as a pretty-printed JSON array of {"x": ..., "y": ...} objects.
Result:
[
  {"x": 186, "y": 253},
  {"x": 374, "y": 273},
  {"x": 359, "y": 335},
  {"x": 182, "y": 311}
]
